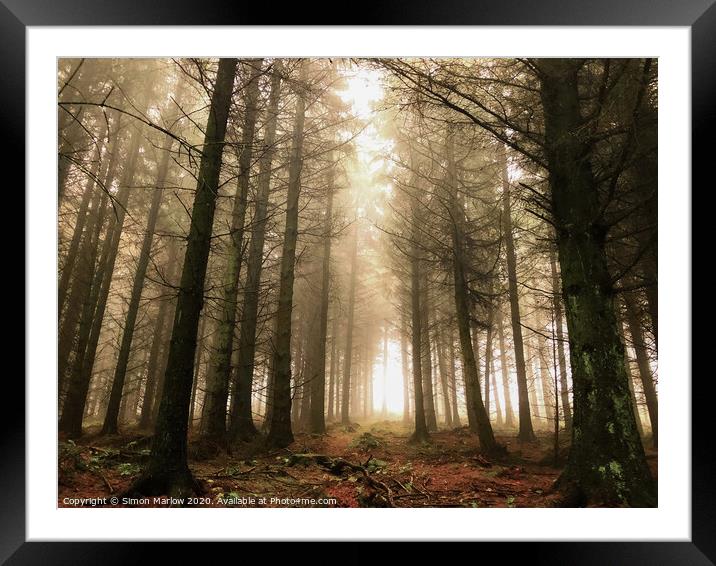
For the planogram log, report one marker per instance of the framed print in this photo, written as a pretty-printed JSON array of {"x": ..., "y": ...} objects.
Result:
[{"x": 396, "y": 282}]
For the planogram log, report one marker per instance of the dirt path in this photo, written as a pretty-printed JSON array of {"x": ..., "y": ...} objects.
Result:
[{"x": 369, "y": 465}]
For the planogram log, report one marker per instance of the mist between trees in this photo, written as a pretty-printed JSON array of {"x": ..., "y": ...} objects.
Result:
[{"x": 254, "y": 252}]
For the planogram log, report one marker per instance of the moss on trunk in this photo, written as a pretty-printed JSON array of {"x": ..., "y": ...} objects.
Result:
[{"x": 607, "y": 463}]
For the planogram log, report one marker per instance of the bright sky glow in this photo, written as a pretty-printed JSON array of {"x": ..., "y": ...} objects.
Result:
[
  {"x": 364, "y": 89},
  {"x": 392, "y": 390}
]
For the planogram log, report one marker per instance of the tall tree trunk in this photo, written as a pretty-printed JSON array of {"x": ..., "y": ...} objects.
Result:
[
  {"x": 421, "y": 433},
  {"x": 338, "y": 386},
  {"x": 646, "y": 232},
  {"x": 332, "y": 378},
  {"x": 71, "y": 132},
  {"x": 453, "y": 380},
  {"x": 606, "y": 461},
  {"x": 557, "y": 306},
  {"x": 532, "y": 384},
  {"x": 642, "y": 360},
  {"x": 280, "y": 434},
  {"x": 79, "y": 294},
  {"x": 488, "y": 341},
  {"x": 201, "y": 338},
  {"x": 488, "y": 360},
  {"x": 167, "y": 471},
  {"x": 318, "y": 375},
  {"x": 83, "y": 365},
  {"x": 462, "y": 311},
  {"x": 74, "y": 400},
  {"x": 384, "y": 409},
  {"x": 526, "y": 431},
  {"x": 81, "y": 288},
  {"x": 498, "y": 409},
  {"x": 269, "y": 396},
  {"x": 627, "y": 365},
  {"x": 158, "y": 337},
  {"x": 356, "y": 383},
  {"x": 439, "y": 347},
  {"x": 158, "y": 340},
  {"x": 652, "y": 298},
  {"x": 545, "y": 379},
  {"x": 368, "y": 381},
  {"x": 241, "y": 419},
  {"x": 405, "y": 366},
  {"x": 308, "y": 365},
  {"x": 82, "y": 216},
  {"x": 427, "y": 367},
  {"x": 120, "y": 372},
  {"x": 348, "y": 351},
  {"x": 217, "y": 379},
  {"x": 509, "y": 414}
]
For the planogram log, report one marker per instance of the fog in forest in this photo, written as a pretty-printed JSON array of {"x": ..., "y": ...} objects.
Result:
[{"x": 358, "y": 283}]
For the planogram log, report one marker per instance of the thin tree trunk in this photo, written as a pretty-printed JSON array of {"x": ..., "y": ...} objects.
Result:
[
  {"x": 384, "y": 409},
  {"x": 642, "y": 360},
  {"x": 421, "y": 433},
  {"x": 486, "y": 386},
  {"x": 318, "y": 377},
  {"x": 163, "y": 360},
  {"x": 348, "y": 351},
  {"x": 442, "y": 365},
  {"x": 82, "y": 216},
  {"x": 462, "y": 311},
  {"x": 81, "y": 289},
  {"x": 242, "y": 420},
  {"x": 72, "y": 130},
  {"x": 627, "y": 365},
  {"x": 453, "y": 379},
  {"x": 498, "y": 409},
  {"x": 197, "y": 369},
  {"x": 526, "y": 431},
  {"x": 269, "y": 396},
  {"x": 545, "y": 378},
  {"x": 280, "y": 434},
  {"x": 509, "y": 415},
  {"x": 308, "y": 372},
  {"x": 217, "y": 380},
  {"x": 557, "y": 306},
  {"x": 159, "y": 338},
  {"x": 80, "y": 294},
  {"x": 110, "y": 425},
  {"x": 332, "y": 377},
  {"x": 74, "y": 400},
  {"x": 339, "y": 383},
  {"x": 405, "y": 367},
  {"x": 489, "y": 376},
  {"x": 71, "y": 420},
  {"x": 428, "y": 394}
]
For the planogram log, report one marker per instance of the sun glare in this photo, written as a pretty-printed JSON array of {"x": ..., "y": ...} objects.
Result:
[
  {"x": 389, "y": 391},
  {"x": 364, "y": 89}
]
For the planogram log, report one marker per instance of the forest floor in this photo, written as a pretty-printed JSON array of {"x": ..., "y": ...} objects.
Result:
[{"x": 362, "y": 465}]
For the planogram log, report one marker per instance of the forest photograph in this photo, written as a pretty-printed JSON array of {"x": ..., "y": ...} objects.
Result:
[{"x": 357, "y": 282}]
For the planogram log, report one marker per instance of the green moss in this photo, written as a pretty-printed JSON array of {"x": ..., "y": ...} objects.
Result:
[
  {"x": 615, "y": 468},
  {"x": 587, "y": 364},
  {"x": 592, "y": 399}
]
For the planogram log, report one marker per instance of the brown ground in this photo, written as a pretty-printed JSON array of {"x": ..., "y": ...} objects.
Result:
[{"x": 370, "y": 466}]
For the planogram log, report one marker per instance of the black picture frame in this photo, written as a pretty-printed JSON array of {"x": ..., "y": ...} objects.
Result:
[{"x": 699, "y": 15}]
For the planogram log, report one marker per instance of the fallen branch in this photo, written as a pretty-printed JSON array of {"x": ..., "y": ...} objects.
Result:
[
  {"x": 106, "y": 481},
  {"x": 338, "y": 465}
]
